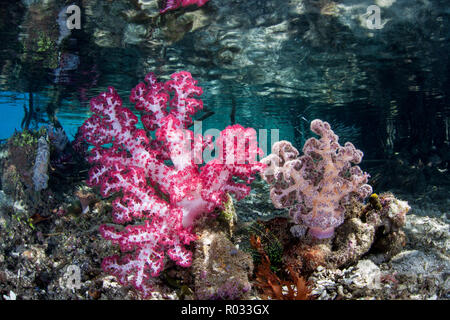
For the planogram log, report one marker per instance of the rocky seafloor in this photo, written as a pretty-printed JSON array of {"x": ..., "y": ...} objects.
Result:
[{"x": 47, "y": 238}]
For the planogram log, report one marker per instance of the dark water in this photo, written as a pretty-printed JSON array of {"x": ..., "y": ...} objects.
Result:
[{"x": 265, "y": 64}]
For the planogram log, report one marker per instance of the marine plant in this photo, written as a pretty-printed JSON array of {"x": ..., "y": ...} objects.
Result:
[
  {"x": 24, "y": 138},
  {"x": 269, "y": 282},
  {"x": 317, "y": 185},
  {"x": 271, "y": 245},
  {"x": 158, "y": 183}
]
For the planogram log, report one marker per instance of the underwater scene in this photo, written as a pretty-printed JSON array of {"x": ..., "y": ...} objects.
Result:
[{"x": 224, "y": 150}]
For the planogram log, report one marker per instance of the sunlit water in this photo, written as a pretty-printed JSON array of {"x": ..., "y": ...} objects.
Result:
[{"x": 387, "y": 94}]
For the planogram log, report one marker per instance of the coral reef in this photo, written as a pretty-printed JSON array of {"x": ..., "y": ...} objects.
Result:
[
  {"x": 271, "y": 285},
  {"x": 35, "y": 257},
  {"x": 25, "y": 170},
  {"x": 167, "y": 198},
  {"x": 419, "y": 271},
  {"x": 366, "y": 229},
  {"x": 386, "y": 88},
  {"x": 318, "y": 184},
  {"x": 36, "y": 171},
  {"x": 221, "y": 270},
  {"x": 18, "y": 165}
]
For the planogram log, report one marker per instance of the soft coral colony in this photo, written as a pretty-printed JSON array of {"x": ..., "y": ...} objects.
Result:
[
  {"x": 317, "y": 185},
  {"x": 159, "y": 182}
]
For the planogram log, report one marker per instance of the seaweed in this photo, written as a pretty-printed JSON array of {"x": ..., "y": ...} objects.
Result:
[
  {"x": 271, "y": 285},
  {"x": 270, "y": 244}
]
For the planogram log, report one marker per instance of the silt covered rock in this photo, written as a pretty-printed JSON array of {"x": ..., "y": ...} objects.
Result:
[
  {"x": 220, "y": 269},
  {"x": 373, "y": 228}
]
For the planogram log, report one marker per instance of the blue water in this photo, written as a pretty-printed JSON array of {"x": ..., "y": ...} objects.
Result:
[
  {"x": 386, "y": 91},
  {"x": 10, "y": 113}
]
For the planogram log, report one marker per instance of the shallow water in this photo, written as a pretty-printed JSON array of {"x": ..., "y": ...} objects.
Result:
[{"x": 265, "y": 64}]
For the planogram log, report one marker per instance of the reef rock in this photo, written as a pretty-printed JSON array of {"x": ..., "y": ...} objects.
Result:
[
  {"x": 373, "y": 228},
  {"x": 419, "y": 271},
  {"x": 220, "y": 269}
]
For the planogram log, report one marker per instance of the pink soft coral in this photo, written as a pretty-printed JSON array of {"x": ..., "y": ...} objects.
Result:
[
  {"x": 175, "y": 4},
  {"x": 318, "y": 184},
  {"x": 159, "y": 180}
]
